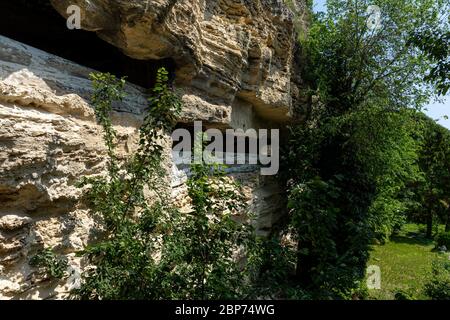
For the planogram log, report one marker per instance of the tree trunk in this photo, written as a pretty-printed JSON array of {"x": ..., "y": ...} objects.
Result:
[
  {"x": 447, "y": 225},
  {"x": 430, "y": 226},
  {"x": 304, "y": 265}
]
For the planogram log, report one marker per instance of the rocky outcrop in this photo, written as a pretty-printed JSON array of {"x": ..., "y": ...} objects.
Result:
[
  {"x": 48, "y": 140},
  {"x": 234, "y": 68},
  {"x": 231, "y": 55}
]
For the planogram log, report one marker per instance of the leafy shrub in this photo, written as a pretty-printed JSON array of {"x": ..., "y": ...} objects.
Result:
[
  {"x": 438, "y": 287},
  {"x": 151, "y": 250},
  {"x": 274, "y": 264},
  {"x": 361, "y": 292},
  {"x": 124, "y": 259},
  {"x": 49, "y": 263},
  {"x": 443, "y": 239},
  {"x": 403, "y": 295},
  {"x": 207, "y": 245},
  {"x": 315, "y": 221}
]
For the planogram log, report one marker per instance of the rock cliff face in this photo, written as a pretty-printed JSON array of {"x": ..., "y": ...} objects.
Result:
[
  {"x": 48, "y": 140},
  {"x": 231, "y": 55},
  {"x": 234, "y": 66}
]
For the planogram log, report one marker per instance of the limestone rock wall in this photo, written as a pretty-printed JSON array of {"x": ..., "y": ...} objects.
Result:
[
  {"x": 229, "y": 53},
  {"x": 48, "y": 140},
  {"x": 235, "y": 68}
]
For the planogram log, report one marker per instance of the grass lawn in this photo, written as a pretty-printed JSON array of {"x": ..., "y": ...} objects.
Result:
[{"x": 405, "y": 263}]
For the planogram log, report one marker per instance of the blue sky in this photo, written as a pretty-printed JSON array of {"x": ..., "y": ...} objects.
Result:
[
  {"x": 319, "y": 5},
  {"x": 435, "y": 110}
]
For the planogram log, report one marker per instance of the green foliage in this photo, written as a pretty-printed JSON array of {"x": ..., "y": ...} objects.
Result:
[
  {"x": 124, "y": 261},
  {"x": 150, "y": 250},
  {"x": 438, "y": 287},
  {"x": 207, "y": 241},
  {"x": 432, "y": 192},
  {"x": 351, "y": 174},
  {"x": 315, "y": 220},
  {"x": 49, "y": 263},
  {"x": 392, "y": 159},
  {"x": 274, "y": 263},
  {"x": 355, "y": 154},
  {"x": 435, "y": 43},
  {"x": 403, "y": 295},
  {"x": 349, "y": 63},
  {"x": 443, "y": 239},
  {"x": 107, "y": 89}
]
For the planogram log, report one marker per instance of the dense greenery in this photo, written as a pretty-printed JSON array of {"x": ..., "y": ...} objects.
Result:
[
  {"x": 207, "y": 245},
  {"x": 443, "y": 239},
  {"x": 432, "y": 192},
  {"x": 361, "y": 146},
  {"x": 435, "y": 43},
  {"x": 48, "y": 263},
  {"x": 438, "y": 287}
]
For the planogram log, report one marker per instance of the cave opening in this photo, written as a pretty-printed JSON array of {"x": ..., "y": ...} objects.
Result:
[
  {"x": 38, "y": 24},
  {"x": 244, "y": 149}
]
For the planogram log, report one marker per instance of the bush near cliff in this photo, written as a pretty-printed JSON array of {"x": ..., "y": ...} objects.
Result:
[{"x": 150, "y": 249}]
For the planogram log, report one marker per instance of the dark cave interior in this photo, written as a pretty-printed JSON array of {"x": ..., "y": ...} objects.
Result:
[{"x": 36, "y": 23}]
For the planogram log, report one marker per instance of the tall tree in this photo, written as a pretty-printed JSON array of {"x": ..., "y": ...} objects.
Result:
[
  {"x": 435, "y": 43},
  {"x": 356, "y": 146},
  {"x": 433, "y": 190}
]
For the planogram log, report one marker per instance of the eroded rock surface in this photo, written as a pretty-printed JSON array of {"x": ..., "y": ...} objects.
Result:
[
  {"x": 48, "y": 141},
  {"x": 229, "y": 53},
  {"x": 235, "y": 68}
]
